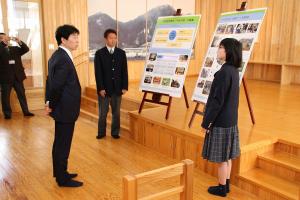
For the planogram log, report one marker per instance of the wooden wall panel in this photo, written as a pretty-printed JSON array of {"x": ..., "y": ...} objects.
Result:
[
  {"x": 59, "y": 12},
  {"x": 279, "y": 39}
]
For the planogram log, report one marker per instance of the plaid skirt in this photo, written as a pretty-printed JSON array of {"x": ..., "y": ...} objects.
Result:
[{"x": 221, "y": 144}]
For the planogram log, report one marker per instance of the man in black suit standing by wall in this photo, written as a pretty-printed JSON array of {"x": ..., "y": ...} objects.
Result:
[
  {"x": 63, "y": 94},
  {"x": 12, "y": 74},
  {"x": 112, "y": 82}
]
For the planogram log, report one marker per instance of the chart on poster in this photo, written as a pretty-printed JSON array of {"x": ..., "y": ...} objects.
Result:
[
  {"x": 243, "y": 26},
  {"x": 168, "y": 57}
]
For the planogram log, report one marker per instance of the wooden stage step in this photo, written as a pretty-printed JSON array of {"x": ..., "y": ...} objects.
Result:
[
  {"x": 288, "y": 147},
  {"x": 91, "y": 106},
  {"x": 94, "y": 118},
  {"x": 268, "y": 186},
  {"x": 281, "y": 164}
]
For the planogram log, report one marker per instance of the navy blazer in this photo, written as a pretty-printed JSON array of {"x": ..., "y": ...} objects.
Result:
[
  {"x": 111, "y": 71},
  {"x": 63, "y": 90},
  {"x": 8, "y": 72},
  {"x": 221, "y": 109}
]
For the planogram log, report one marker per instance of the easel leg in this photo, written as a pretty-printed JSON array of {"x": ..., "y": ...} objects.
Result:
[
  {"x": 185, "y": 98},
  {"x": 142, "y": 103},
  {"x": 248, "y": 101},
  {"x": 169, "y": 106},
  {"x": 193, "y": 115}
]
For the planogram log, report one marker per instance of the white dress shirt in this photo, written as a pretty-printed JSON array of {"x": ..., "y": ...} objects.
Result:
[
  {"x": 110, "y": 49},
  {"x": 68, "y": 51}
]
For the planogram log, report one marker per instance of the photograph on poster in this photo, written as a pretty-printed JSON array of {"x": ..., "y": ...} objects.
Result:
[
  {"x": 149, "y": 68},
  {"x": 148, "y": 79},
  {"x": 175, "y": 84},
  {"x": 221, "y": 29},
  {"x": 229, "y": 29},
  {"x": 252, "y": 28},
  {"x": 241, "y": 28},
  {"x": 246, "y": 43},
  {"x": 180, "y": 70},
  {"x": 207, "y": 87},
  {"x": 152, "y": 56},
  {"x": 183, "y": 58},
  {"x": 209, "y": 61},
  {"x": 156, "y": 80},
  {"x": 205, "y": 73},
  {"x": 200, "y": 84},
  {"x": 166, "y": 82}
]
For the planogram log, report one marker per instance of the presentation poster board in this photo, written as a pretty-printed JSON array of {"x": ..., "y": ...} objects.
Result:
[
  {"x": 243, "y": 26},
  {"x": 169, "y": 54}
]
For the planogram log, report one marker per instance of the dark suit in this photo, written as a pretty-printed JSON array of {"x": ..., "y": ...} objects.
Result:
[
  {"x": 112, "y": 76},
  {"x": 63, "y": 91},
  {"x": 12, "y": 75}
]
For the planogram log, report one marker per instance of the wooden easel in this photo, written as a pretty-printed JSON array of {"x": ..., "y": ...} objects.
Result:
[
  {"x": 196, "y": 111},
  {"x": 158, "y": 101}
]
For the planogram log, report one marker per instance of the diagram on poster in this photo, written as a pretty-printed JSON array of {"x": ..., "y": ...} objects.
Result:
[
  {"x": 243, "y": 26},
  {"x": 168, "y": 57}
]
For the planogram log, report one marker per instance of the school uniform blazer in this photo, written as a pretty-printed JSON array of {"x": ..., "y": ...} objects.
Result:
[{"x": 223, "y": 101}]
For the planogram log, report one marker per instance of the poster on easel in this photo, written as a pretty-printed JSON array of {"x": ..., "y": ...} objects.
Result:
[
  {"x": 241, "y": 25},
  {"x": 168, "y": 57}
]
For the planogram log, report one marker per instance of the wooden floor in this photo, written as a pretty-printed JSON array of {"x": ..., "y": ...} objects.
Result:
[
  {"x": 26, "y": 169},
  {"x": 25, "y": 150}
]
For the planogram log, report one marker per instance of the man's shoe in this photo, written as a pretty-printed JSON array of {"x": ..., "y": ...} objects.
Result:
[
  {"x": 71, "y": 183},
  {"x": 29, "y": 114},
  {"x": 116, "y": 136},
  {"x": 7, "y": 117},
  {"x": 100, "y": 136}
]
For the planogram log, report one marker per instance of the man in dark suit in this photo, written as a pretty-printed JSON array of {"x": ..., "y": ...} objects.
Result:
[
  {"x": 63, "y": 94},
  {"x": 12, "y": 74},
  {"x": 112, "y": 82}
]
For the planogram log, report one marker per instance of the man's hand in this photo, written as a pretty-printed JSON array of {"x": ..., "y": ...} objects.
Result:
[
  {"x": 48, "y": 110},
  {"x": 124, "y": 91},
  {"x": 17, "y": 40},
  {"x": 102, "y": 93}
]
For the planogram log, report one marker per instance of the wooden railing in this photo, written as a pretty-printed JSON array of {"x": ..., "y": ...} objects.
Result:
[{"x": 184, "y": 170}]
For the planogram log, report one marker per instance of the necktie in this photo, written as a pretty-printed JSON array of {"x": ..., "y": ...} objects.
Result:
[{"x": 111, "y": 51}]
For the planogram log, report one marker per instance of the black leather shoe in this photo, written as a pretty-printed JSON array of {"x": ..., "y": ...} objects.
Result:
[
  {"x": 7, "y": 117},
  {"x": 71, "y": 183},
  {"x": 29, "y": 114},
  {"x": 115, "y": 136},
  {"x": 100, "y": 136}
]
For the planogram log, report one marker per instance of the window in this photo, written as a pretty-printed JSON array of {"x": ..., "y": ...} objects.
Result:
[{"x": 24, "y": 23}]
